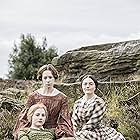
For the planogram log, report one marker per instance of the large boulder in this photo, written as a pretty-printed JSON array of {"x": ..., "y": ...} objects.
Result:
[{"x": 107, "y": 61}]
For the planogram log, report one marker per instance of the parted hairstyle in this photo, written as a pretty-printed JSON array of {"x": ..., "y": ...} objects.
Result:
[
  {"x": 93, "y": 78},
  {"x": 47, "y": 67},
  {"x": 33, "y": 108}
]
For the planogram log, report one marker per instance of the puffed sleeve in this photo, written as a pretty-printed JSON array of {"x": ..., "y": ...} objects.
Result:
[
  {"x": 64, "y": 127},
  {"x": 21, "y": 121},
  {"x": 75, "y": 119}
]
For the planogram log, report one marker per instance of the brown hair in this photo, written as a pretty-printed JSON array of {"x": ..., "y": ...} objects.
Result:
[
  {"x": 92, "y": 77},
  {"x": 33, "y": 108},
  {"x": 47, "y": 67}
]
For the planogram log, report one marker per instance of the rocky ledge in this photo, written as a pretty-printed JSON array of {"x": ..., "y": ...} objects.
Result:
[{"x": 113, "y": 61}]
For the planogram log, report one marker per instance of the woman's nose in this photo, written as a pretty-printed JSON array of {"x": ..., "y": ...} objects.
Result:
[
  {"x": 40, "y": 117},
  {"x": 87, "y": 85},
  {"x": 47, "y": 79}
]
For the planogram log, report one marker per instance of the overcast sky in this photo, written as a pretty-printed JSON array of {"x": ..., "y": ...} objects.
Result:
[{"x": 67, "y": 24}]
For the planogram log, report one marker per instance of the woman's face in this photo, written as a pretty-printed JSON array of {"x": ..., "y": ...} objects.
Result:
[
  {"x": 38, "y": 118},
  {"x": 88, "y": 86},
  {"x": 48, "y": 79}
]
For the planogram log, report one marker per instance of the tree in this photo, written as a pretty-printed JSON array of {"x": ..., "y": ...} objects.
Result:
[{"x": 26, "y": 58}]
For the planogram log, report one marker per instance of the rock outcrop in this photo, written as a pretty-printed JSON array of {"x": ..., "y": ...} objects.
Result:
[{"x": 113, "y": 61}]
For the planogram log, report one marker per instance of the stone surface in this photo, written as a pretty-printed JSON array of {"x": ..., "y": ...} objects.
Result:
[{"x": 107, "y": 61}]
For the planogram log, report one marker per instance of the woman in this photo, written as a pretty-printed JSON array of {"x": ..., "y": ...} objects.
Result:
[
  {"x": 36, "y": 116},
  {"x": 88, "y": 113},
  {"x": 55, "y": 101}
]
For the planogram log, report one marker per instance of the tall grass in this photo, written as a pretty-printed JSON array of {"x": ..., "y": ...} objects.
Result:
[
  {"x": 124, "y": 111},
  {"x": 119, "y": 108}
]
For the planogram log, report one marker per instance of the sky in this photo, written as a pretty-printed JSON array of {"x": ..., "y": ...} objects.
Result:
[{"x": 67, "y": 24}]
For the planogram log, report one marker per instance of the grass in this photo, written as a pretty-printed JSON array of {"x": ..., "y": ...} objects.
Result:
[{"x": 126, "y": 114}]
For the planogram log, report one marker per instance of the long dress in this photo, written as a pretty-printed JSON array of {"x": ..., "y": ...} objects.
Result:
[
  {"x": 87, "y": 121},
  {"x": 58, "y": 114},
  {"x": 35, "y": 134}
]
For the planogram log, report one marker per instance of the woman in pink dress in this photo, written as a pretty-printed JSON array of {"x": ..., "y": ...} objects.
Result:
[{"x": 55, "y": 101}]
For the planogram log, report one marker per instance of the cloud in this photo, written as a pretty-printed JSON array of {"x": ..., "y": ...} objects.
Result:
[
  {"x": 5, "y": 49},
  {"x": 67, "y": 24}
]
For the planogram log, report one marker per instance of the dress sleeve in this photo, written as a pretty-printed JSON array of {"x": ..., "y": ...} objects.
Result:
[
  {"x": 21, "y": 121},
  {"x": 75, "y": 119},
  {"x": 64, "y": 127}
]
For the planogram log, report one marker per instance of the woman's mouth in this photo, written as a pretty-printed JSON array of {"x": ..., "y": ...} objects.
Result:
[{"x": 40, "y": 121}]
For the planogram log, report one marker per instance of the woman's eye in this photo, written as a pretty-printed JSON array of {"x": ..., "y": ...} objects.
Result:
[
  {"x": 45, "y": 77},
  {"x": 88, "y": 83},
  {"x": 43, "y": 115},
  {"x": 50, "y": 77},
  {"x": 37, "y": 114}
]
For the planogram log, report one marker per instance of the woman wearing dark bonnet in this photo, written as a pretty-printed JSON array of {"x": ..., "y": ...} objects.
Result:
[{"x": 55, "y": 101}]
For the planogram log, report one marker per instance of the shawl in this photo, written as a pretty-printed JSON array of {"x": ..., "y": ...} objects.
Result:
[{"x": 35, "y": 134}]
